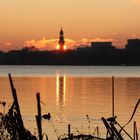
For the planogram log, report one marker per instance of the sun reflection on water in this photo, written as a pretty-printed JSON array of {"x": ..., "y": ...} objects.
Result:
[{"x": 60, "y": 90}]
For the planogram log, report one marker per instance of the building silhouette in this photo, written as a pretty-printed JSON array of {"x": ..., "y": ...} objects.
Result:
[
  {"x": 102, "y": 46},
  {"x": 61, "y": 42},
  {"x": 133, "y": 44}
]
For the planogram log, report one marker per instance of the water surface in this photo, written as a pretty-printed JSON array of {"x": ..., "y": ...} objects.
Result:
[{"x": 71, "y": 93}]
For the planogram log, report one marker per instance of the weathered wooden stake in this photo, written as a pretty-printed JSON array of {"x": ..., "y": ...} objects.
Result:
[
  {"x": 20, "y": 125},
  {"x": 97, "y": 131},
  {"x": 69, "y": 133},
  {"x": 38, "y": 117},
  {"x": 135, "y": 132},
  {"x": 113, "y": 115}
]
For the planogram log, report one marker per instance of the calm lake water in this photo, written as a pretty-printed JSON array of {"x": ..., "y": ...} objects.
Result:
[{"x": 70, "y": 93}]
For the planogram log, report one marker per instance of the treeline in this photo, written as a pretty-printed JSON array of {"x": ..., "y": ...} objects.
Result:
[{"x": 32, "y": 56}]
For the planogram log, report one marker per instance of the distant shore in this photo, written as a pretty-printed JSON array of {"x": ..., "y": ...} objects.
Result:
[{"x": 71, "y": 57}]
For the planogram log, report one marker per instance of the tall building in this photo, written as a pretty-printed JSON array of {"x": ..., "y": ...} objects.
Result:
[
  {"x": 133, "y": 44},
  {"x": 102, "y": 45},
  {"x": 61, "y": 42}
]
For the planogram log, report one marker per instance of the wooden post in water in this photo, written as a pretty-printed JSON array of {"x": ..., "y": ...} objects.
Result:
[
  {"x": 69, "y": 133},
  {"x": 19, "y": 125},
  {"x": 135, "y": 132},
  {"x": 38, "y": 117},
  {"x": 113, "y": 115},
  {"x": 97, "y": 131}
]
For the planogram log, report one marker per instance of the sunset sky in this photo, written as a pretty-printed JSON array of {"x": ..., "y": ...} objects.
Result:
[{"x": 38, "y": 22}]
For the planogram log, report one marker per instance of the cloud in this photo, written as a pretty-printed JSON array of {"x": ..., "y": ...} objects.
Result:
[
  {"x": 134, "y": 35},
  {"x": 51, "y": 44},
  {"x": 48, "y": 44},
  {"x": 42, "y": 43},
  {"x": 5, "y": 45}
]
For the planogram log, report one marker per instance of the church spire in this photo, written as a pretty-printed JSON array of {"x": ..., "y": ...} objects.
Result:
[
  {"x": 61, "y": 40},
  {"x": 61, "y": 31}
]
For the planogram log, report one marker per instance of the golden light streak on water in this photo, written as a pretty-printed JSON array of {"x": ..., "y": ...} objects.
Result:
[{"x": 60, "y": 90}]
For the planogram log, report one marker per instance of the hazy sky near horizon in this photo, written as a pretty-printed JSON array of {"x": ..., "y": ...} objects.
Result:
[{"x": 39, "y": 21}]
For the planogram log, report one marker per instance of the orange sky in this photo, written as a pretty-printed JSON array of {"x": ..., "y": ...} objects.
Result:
[{"x": 38, "y": 22}]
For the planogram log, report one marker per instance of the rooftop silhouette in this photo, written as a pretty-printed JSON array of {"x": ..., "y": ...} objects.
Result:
[{"x": 99, "y": 53}]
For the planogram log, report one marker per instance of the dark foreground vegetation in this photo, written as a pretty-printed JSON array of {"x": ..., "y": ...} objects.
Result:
[{"x": 85, "y": 56}]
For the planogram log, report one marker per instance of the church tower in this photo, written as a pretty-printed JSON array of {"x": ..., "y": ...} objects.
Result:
[{"x": 61, "y": 40}]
